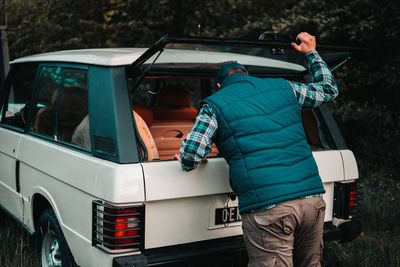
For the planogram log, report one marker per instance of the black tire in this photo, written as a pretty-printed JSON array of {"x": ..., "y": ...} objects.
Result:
[{"x": 51, "y": 248}]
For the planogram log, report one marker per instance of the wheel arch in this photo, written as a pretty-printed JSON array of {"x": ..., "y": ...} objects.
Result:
[
  {"x": 39, "y": 205},
  {"x": 50, "y": 243},
  {"x": 42, "y": 201}
]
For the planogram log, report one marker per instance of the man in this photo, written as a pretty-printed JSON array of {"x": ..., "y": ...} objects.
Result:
[{"x": 257, "y": 126}]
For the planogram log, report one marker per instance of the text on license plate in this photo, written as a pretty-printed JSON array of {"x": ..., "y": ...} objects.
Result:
[{"x": 227, "y": 215}]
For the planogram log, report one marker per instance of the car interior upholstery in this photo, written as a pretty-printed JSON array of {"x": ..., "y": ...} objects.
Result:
[{"x": 170, "y": 116}]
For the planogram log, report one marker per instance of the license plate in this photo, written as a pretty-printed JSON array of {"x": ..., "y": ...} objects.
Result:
[{"x": 227, "y": 215}]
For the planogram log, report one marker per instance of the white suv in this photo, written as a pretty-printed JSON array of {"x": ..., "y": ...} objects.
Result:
[{"x": 87, "y": 144}]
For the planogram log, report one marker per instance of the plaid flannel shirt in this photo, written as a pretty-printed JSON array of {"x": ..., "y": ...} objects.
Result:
[{"x": 321, "y": 89}]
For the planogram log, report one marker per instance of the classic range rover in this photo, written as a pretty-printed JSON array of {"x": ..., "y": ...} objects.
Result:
[{"x": 87, "y": 144}]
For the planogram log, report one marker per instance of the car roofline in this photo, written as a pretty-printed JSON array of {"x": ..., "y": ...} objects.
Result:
[
  {"x": 113, "y": 57},
  {"x": 102, "y": 57}
]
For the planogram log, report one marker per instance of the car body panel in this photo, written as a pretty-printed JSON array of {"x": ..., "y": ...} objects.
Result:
[
  {"x": 9, "y": 197},
  {"x": 350, "y": 165},
  {"x": 166, "y": 180},
  {"x": 70, "y": 183},
  {"x": 71, "y": 207},
  {"x": 85, "y": 173},
  {"x": 330, "y": 165}
]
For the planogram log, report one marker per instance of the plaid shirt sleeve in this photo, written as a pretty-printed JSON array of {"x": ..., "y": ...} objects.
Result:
[
  {"x": 197, "y": 144},
  {"x": 322, "y": 87}
]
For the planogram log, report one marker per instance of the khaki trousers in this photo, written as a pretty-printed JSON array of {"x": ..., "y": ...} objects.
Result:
[{"x": 289, "y": 234}]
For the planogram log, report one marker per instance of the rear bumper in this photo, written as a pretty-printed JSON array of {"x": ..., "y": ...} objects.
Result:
[
  {"x": 345, "y": 232},
  {"x": 226, "y": 251}
]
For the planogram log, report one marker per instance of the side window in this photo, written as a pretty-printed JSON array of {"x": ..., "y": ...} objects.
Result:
[
  {"x": 73, "y": 109},
  {"x": 19, "y": 94},
  {"x": 62, "y": 106},
  {"x": 44, "y": 119}
]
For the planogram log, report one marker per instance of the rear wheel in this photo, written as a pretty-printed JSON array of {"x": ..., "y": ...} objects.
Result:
[{"x": 51, "y": 247}]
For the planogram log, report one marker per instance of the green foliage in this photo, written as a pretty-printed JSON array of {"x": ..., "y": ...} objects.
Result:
[
  {"x": 372, "y": 130},
  {"x": 380, "y": 203},
  {"x": 36, "y": 26}
]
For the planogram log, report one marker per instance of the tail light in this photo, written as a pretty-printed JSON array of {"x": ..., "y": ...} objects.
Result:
[
  {"x": 117, "y": 228},
  {"x": 346, "y": 200}
]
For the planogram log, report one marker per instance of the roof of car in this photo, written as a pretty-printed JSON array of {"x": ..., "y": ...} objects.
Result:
[
  {"x": 126, "y": 56},
  {"x": 100, "y": 56}
]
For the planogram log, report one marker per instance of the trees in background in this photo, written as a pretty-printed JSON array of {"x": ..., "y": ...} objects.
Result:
[
  {"x": 36, "y": 26},
  {"x": 368, "y": 108}
]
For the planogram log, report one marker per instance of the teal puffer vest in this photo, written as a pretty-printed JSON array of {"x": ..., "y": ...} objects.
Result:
[{"x": 261, "y": 136}]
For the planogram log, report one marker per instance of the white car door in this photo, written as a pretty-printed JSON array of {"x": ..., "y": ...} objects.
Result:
[
  {"x": 18, "y": 93},
  {"x": 10, "y": 197}
]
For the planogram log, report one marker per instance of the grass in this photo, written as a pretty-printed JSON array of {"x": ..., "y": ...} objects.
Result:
[
  {"x": 379, "y": 245},
  {"x": 15, "y": 244},
  {"x": 373, "y": 249}
]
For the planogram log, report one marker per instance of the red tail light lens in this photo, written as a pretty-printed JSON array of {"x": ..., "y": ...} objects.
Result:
[
  {"x": 352, "y": 197},
  {"x": 121, "y": 227},
  {"x": 345, "y": 200},
  {"x": 118, "y": 228}
]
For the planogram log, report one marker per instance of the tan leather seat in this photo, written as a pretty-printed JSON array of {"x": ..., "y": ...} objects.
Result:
[
  {"x": 172, "y": 119},
  {"x": 145, "y": 134},
  {"x": 174, "y": 104},
  {"x": 81, "y": 136},
  {"x": 168, "y": 136},
  {"x": 72, "y": 110},
  {"x": 311, "y": 128},
  {"x": 44, "y": 121}
]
